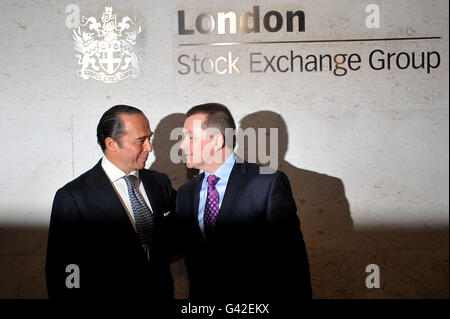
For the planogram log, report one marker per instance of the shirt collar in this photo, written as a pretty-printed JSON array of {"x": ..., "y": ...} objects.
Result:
[
  {"x": 113, "y": 172},
  {"x": 224, "y": 170}
]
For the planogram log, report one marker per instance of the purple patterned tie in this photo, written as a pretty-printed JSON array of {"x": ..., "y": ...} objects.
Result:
[{"x": 212, "y": 203}]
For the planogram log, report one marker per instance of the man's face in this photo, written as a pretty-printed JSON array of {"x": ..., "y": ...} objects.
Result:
[
  {"x": 196, "y": 145},
  {"x": 131, "y": 151}
]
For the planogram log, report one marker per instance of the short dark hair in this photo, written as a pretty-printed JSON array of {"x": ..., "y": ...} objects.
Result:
[
  {"x": 217, "y": 116},
  {"x": 111, "y": 125}
]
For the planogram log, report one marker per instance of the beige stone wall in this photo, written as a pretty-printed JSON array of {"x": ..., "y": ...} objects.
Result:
[{"x": 366, "y": 153}]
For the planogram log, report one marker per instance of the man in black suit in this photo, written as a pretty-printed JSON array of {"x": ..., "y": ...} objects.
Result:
[
  {"x": 239, "y": 225},
  {"x": 110, "y": 227}
]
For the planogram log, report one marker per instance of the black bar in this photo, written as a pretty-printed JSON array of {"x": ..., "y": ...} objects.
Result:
[{"x": 309, "y": 41}]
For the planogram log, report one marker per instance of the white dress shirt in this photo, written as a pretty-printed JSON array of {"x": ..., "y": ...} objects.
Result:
[{"x": 115, "y": 177}]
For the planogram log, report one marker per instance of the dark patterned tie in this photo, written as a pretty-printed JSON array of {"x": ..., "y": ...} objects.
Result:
[
  {"x": 212, "y": 203},
  {"x": 143, "y": 216}
]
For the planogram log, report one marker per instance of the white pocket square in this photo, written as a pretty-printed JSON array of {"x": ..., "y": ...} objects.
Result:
[{"x": 167, "y": 214}]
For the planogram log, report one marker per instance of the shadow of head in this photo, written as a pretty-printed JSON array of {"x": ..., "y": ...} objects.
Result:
[
  {"x": 166, "y": 140},
  {"x": 321, "y": 202},
  {"x": 262, "y": 138}
]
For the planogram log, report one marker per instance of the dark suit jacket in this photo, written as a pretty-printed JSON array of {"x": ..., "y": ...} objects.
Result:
[
  {"x": 256, "y": 251},
  {"x": 89, "y": 227}
]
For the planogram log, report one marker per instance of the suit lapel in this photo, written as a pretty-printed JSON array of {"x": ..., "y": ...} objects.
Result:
[
  {"x": 235, "y": 184},
  {"x": 103, "y": 194},
  {"x": 196, "y": 194},
  {"x": 152, "y": 190},
  {"x": 195, "y": 199}
]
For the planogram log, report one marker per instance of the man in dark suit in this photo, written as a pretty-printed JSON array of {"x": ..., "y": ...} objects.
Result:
[
  {"x": 239, "y": 225},
  {"x": 110, "y": 227}
]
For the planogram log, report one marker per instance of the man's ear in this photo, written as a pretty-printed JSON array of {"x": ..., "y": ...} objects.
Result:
[
  {"x": 111, "y": 144},
  {"x": 219, "y": 141}
]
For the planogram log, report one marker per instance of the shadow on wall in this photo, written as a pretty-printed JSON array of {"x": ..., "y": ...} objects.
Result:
[
  {"x": 322, "y": 206},
  {"x": 22, "y": 261},
  {"x": 413, "y": 262},
  {"x": 162, "y": 145},
  {"x": 178, "y": 174}
]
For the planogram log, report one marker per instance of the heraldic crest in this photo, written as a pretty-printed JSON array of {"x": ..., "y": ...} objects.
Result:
[{"x": 107, "y": 50}]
